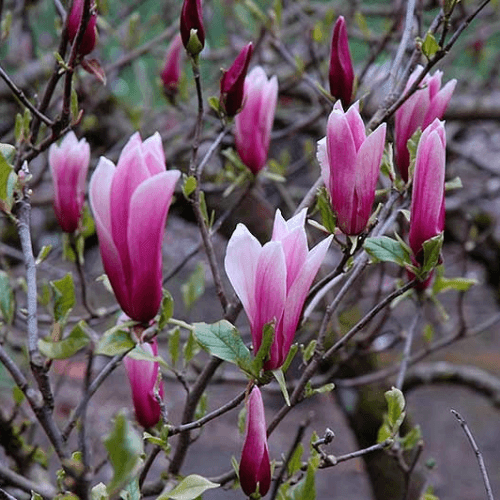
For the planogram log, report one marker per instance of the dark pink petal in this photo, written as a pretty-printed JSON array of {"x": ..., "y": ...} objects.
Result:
[
  {"x": 143, "y": 376},
  {"x": 192, "y": 19},
  {"x": 341, "y": 73},
  {"x": 171, "y": 73},
  {"x": 146, "y": 225},
  {"x": 255, "y": 468}
]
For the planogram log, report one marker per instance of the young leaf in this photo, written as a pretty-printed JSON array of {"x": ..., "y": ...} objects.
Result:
[
  {"x": 396, "y": 405},
  {"x": 124, "y": 449},
  {"x": 173, "y": 344},
  {"x": 265, "y": 346},
  {"x": 194, "y": 287},
  {"x": 43, "y": 254},
  {"x": 306, "y": 489},
  {"x": 430, "y": 45},
  {"x": 412, "y": 438},
  {"x": 190, "y": 349},
  {"x": 189, "y": 488},
  {"x": 116, "y": 340},
  {"x": 278, "y": 375},
  {"x": 189, "y": 186},
  {"x": 166, "y": 309},
  {"x": 295, "y": 462},
  {"x": 223, "y": 340},
  {"x": 7, "y": 307},
  {"x": 386, "y": 249},
  {"x": 432, "y": 253},
  {"x": 64, "y": 297},
  {"x": 99, "y": 492},
  {"x": 67, "y": 347},
  {"x": 324, "y": 206}
]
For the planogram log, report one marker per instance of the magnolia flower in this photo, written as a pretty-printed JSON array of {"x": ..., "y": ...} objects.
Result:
[
  {"x": 419, "y": 110},
  {"x": 130, "y": 204},
  {"x": 233, "y": 81},
  {"x": 255, "y": 468},
  {"x": 272, "y": 281},
  {"x": 427, "y": 202},
  {"x": 69, "y": 164},
  {"x": 254, "y": 123},
  {"x": 350, "y": 165},
  {"x": 341, "y": 73},
  {"x": 74, "y": 19},
  {"x": 171, "y": 73},
  {"x": 192, "y": 23},
  {"x": 143, "y": 378}
]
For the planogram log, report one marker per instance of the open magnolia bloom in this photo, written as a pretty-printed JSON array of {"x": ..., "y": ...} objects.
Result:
[
  {"x": 272, "y": 281},
  {"x": 130, "y": 204}
]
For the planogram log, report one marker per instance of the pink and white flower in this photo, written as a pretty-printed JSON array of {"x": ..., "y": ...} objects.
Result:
[
  {"x": 272, "y": 281},
  {"x": 130, "y": 204}
]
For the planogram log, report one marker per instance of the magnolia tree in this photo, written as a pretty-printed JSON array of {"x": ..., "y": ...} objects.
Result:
[{"x": 376, "y": 205}]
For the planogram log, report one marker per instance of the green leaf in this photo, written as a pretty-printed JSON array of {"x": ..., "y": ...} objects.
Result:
[
  {"x": 17, "y": 395},
  {"x": 124, "y": 448},
  {"x": 7, "y": 182},
  {"x": 384, "y": 431},
  {"x": 189, "y": 488},
  {"x": 278, "y": 375},
  {"x": 202, "y": 407},
  {"x": 189, "y": 186},
  {"x": 307, "y": 352},
  {"x": 63, "y": 291},
  {"x": 295, "y": 462},
  {"x": 35, "y": 496},
  {"x": 67, "y": 347},
  {"x": 412, "y": 438},
  {"x": 99, "y": 492},
  {"x": 291, "y": 354},
  {"x": 396, "y": 405},
  {"x": 74, "y": 102},
  {"x": 173, "y": 344},
  {"x": 453, "y": 184},
  {"x": 386, "y": 249},
  {"x": 223, "y": 340},
  {"x": 43, "y": 254},
  {"x": 265, "y": 347},
  {"x": 166, "y": 309},
  {"x": 214, "y": 103},
  {"x": 442, "y": 284},
  {"x": 432, "y": 253},
  {"x": 306, "y": 488},
  {"x": 190, "y": 349},
  {"x": 412, "y": 145},
  {"x": 18, "y": 128},
  {"x": 87, "y": 223},
  {"x": 131, "y": 491},
  {"x": 430, "y": 45},
  {"x": 7, "y": 306},
  {"x": 8, "y": 152},
  {"x": 116, "y": 340},
  {"x": 328, "y": 218},
  {"x": 194, "y": 287}
]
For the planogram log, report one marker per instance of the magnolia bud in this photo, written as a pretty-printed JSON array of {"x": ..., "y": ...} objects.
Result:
[{"x": 192, "y": 30}]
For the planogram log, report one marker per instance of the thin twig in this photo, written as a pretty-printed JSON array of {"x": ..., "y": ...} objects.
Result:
[
  {"x": 8, "y": 476},
  {"x": 148, "y": 464},
  {"x": 24, "y": 100},
  {"x": 101, "y": 377},
  {"x": 36, "y": 402},
  {"x": 298, "y": 439},
  {"x": 407, "y": 350},
  {"x": 479, "y": 456},
  {"x": 209, "y": 416},
  {"x": 355, "y": 454}
]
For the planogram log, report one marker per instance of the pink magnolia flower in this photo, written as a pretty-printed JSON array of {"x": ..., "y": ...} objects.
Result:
[
  {"x": 171, "y": 73},
  {"x": 272, "y": 281},
  {"x": 143, "y": 377},
  {"x": 350, "y": 165},
  {"x": 90, "y": 36},
  {"x": 254, "y": 123},
  {"x": 427, "y": 203},
  {"x": 420, "y": 110},
  {"x": 130, "y": 204},
  {"x": 233, "y": 81},
  {"x": 255, "y": 467},
  {"x": 192, "y": 19},
  {"x": 341, "y": 73},
  {"x": 69, "y": 164}
]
